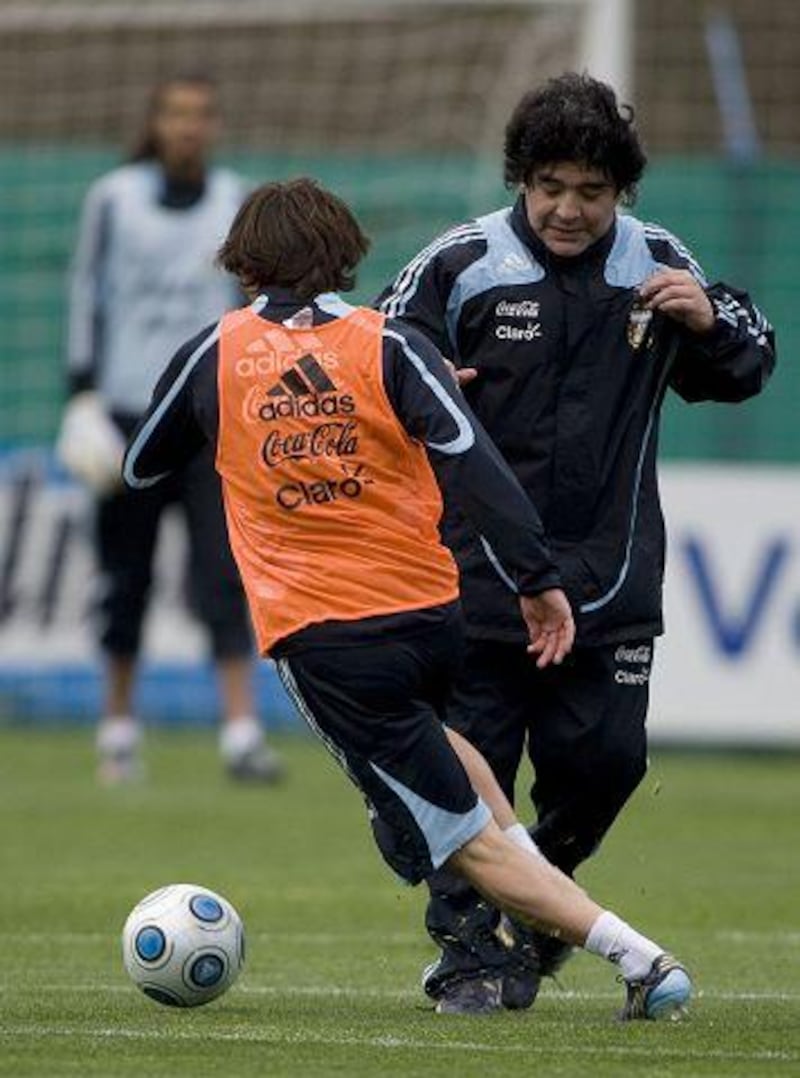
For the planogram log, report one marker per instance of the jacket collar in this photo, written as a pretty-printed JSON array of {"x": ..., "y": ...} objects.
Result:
[{"x": 593, "y": 255}]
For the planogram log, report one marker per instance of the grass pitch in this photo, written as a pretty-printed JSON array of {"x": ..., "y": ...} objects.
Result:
[{"x": 705, "y": 859}]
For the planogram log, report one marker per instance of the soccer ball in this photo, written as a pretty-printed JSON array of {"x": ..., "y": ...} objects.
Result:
[{"x": 183, "y": 945}]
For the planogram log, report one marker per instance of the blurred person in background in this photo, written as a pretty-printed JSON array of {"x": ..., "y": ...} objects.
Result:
[
  {"x": 143, "y": 279},
  {"x": 567, "y": 321}
]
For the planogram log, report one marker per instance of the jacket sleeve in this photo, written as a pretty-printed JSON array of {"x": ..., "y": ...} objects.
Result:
[
  {"x": 420, "y": 292},
  {"x": 181, "y": 418},
  {"x": 85, "y": 306},
  {"x": 470, "y": 469},
  {"x": 734, "y": 360}
]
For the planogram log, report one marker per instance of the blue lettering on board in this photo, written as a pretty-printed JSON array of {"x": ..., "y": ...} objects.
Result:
[{"x": 733, "y": 631}]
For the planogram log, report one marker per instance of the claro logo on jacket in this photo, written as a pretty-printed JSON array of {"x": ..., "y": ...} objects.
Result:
[{"x": 520, "y": 320}]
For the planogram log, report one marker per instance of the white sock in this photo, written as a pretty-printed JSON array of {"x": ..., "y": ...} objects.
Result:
[
  {"x": 519, "y": 836},
  {"x": 118, "y": 735},
  {"x": 239, "y": 737},
  {"x": 611, "y": 938}
]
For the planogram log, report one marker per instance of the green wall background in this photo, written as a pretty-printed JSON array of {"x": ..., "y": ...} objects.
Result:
[{"x": 742, "y": 224}]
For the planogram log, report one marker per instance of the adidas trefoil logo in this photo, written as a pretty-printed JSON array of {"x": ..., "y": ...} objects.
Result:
[
  {"x": 293, "y": 382},
  {"x": 305, "y": 391}
]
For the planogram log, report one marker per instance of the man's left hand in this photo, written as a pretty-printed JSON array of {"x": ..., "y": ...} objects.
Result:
[
  {"x": 551, "y": 626},
  {"x": 680, "y": 296}
]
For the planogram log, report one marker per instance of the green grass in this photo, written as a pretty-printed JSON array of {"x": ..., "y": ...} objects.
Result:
[{"x": 705, "y": 860}]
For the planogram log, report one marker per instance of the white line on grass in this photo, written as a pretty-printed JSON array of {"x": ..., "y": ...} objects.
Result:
[
  {"x": 333, "y": 939},
  {"x": 313, "y": 939},
  {"x": 791, "y": 939},
  {"x": 344, "y": 992},
  {"x": 279, "y": 1036}
]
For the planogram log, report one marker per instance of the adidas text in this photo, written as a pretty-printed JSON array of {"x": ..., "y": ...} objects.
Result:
[{"x": 307, "y": 407}]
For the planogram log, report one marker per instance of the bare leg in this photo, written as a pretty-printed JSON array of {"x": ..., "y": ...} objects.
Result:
[
  {"x": 526, "y": 886},
  {"x": 520, "y": 881},
  {"x": 119, "y": 735},
  {"x": 120, "y": 675},
  {"x": 533, "y": 890},
  {"x": 489, "y": 790},
  {"x": 516, "y": 878},
  {"x": 235, "y": 677},
  {"x": 482, "y": 778},
  {"x": 244, "y": 750}
]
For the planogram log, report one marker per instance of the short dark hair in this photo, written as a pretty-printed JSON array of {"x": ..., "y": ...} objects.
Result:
[
  {"x": 294, "y": 235},
  {"x": 574, "y": 118}
]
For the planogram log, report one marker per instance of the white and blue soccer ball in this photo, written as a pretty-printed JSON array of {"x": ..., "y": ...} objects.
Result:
[{"x": 183, "y": 945}]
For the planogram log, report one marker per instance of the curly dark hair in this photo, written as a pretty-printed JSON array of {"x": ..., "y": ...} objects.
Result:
[
  {"x": 294, "y": 235},
  {"x": 574, "y": 118}
]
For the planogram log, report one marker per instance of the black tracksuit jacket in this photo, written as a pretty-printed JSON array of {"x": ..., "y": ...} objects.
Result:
[{"x": 572, "y": 375}]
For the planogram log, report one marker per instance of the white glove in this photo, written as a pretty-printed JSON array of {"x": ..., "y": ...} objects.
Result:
[{"x": 89, "y": 445}]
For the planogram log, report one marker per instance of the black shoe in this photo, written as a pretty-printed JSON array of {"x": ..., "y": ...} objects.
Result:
[
  {"x": 448, "y": 969},
  {"x": 491, "y": 959},
  {"x": 533, "y": 955},
  {"x": 262, "y": 764},
  {"x": 477, "y": 996},
  {"x": 484, "y": 958},
  {"x": 520, "y": 989},
  {"x": 522, "y": 975}
]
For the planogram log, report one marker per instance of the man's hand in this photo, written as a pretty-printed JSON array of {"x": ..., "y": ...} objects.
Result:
[
  {"x": 551, "y": 626},
  {"x": 461, "y": 375},
  {"x": 681, "y": 296}
]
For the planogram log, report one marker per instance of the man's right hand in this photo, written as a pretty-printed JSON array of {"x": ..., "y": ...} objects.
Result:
[{"x": 551, "y": 626}]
